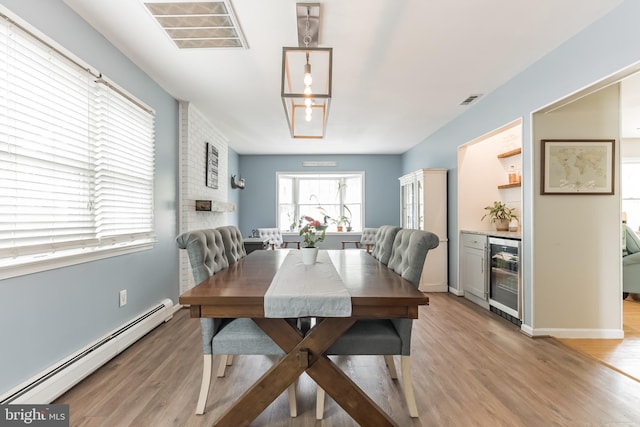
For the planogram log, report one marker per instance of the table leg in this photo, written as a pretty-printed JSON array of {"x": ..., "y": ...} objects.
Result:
[
  {"x": 347, "y": 394},
  {"x": 338, "y": 385},
  {"x": 326, "y": 374},
  {"x": 284, "y": 372}
]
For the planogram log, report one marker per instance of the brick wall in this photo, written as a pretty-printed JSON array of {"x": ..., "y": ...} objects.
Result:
[{"x": 195, "y": 132}]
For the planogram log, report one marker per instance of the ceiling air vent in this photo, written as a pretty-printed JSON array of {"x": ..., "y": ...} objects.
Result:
[
  {"x": 194, "y": 25},
  {"x": 470, "y": 99}
]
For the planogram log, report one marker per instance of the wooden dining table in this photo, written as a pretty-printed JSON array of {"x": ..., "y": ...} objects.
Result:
[{"x": 239, "y": 292}]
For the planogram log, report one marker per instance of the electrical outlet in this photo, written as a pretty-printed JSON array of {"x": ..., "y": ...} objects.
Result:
[{"x": 123, "y": 298}]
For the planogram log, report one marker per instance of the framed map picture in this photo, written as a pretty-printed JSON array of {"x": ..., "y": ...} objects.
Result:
[
  {"x": 577, "y": 166},
  {"x": 212, "y": 166}
]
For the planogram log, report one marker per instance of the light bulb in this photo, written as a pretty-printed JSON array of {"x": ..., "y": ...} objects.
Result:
[
  {"x": 308, "y": 111},
  {"x": 308, "y": 117},
  {"x": 308, "y": 102},
  {"x": 307, "y": 74},
  {"x": 307, "y": 90}
]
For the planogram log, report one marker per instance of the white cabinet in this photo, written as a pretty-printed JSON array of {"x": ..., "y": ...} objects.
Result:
[
  {"x": 423, "y": 206},
  {"x": 473, "y": 277}
]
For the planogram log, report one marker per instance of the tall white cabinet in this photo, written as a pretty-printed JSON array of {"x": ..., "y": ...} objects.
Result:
[{"x": 423, "y": 206}]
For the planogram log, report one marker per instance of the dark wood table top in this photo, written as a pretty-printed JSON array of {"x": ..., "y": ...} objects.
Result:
[{"x": 238, "y": 291}]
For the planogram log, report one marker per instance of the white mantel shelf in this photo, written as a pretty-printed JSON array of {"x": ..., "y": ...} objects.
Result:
[{"x": 217, "y": 206}]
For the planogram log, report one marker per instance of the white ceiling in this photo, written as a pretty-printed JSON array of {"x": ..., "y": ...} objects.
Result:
[{"x": 400, "y": 68}]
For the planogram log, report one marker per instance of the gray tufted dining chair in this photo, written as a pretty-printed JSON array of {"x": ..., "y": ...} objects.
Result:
[
  {"x": 224, "y": 337},
  {"x": 368, "y": 238},
  {"x": 233, "y": 243},
  {"x": 383, "y": 243},
  {"x": 389, "y": 337}
]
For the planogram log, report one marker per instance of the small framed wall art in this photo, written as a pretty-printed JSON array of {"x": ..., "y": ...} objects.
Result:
[
  {"x": 577, "y": 166},
  {"x": 212, "y": 166}
]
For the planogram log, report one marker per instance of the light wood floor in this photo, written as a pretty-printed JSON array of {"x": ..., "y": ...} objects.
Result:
[
  {"x": 470, "y": 368},
  {"x": 622, "y": 355}
]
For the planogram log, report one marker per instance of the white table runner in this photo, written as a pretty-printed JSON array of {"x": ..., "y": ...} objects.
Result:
[{"x": 299, "y": 290}]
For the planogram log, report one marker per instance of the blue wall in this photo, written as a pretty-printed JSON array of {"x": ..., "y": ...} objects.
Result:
[
  {"x": 602, "y": 49},
  {"x": 258, "y": 199},
  {"x": 45, "y": 317},
  {"x": 233, "y": 195}
]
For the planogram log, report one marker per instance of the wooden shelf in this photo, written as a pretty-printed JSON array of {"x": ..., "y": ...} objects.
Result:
[
  {"x": 517, "y": 184},
  {"x": 510, "y": 153},
  {"x": 214, "y": 206}
]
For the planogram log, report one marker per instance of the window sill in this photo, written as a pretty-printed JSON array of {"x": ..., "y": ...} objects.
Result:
[
  {"x": 328, "y": 233},
  {"x": 34, "y": 264}
]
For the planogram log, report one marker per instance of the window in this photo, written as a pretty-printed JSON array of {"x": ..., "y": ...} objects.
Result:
[
  {"x": 326, "y": 197},
  {"x": 630, "y": 176},
  {"x": 76, "y": 159}
]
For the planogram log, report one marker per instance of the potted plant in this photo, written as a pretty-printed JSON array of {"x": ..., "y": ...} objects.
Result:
[
  {"x": 312, "y": 233},
  {"x": 295, "y": 224},
  {"x": 347, "y": 218},
  {"x": 341, "y": 221},
  {"x": 501, "y": 215}
]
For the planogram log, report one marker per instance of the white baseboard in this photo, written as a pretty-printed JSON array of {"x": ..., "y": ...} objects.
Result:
[
  {"x": 577, "y": 333},
  {"x": 526, "y": 329},
  {"x": 456, "y": 291},
  {"x": 51, "y": 383}
]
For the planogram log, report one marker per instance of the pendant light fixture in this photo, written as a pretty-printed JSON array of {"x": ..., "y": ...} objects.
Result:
[{"x": 306, "y": 77}]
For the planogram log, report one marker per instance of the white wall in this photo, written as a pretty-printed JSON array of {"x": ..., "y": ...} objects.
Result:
[
  {"x": 576, "y": 246},
  {"x": 480, "y": 172},
  {"x": 195, "y": 132}
]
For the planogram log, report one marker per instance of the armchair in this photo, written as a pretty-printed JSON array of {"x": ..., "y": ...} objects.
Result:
[
  {"x": 631, "y": 264},
  {"x": 275, "y": 238},
  {"x": 367, "y": 239},
  {"x": 224, "y": 337},
  {"x": 389, "y": 337}
]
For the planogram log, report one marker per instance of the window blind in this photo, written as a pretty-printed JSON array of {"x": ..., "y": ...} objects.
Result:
[
  {"x": 76, "y": 156},
  {"x": 124, "y": 168}
]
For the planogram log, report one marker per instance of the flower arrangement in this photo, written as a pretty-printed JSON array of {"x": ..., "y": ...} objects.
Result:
[{"x": 312, "y": 232}]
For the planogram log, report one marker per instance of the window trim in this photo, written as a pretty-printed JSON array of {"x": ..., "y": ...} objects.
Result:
[
  {"x": 45, "y": 262},
  {"x": 320, "y": 173}
]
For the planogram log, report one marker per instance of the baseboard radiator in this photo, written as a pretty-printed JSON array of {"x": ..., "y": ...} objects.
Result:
[{"x": 51, "y": 383}]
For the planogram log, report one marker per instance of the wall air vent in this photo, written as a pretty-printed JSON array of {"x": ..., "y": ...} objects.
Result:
[
  {"x": 328, "y": 164},
  {"x": 470, "y": 99},
  {"x": 194, "y": 25}
]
